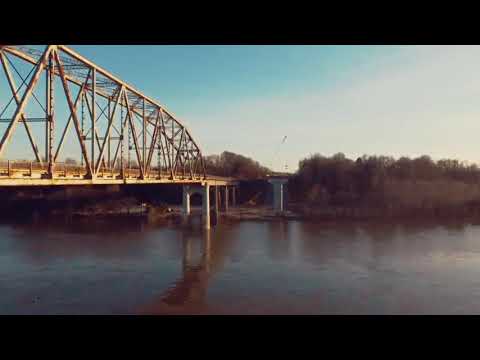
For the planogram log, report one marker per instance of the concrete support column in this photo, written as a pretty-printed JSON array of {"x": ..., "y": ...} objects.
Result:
[
  {"x": 278, "y": 197},
  {"x": 186, "y": 200},
  {"x": 206, "y": 207},
  {"x": 226, "y": 198},
  {"x": 217, "y": 202},
  {"x": 278, "y": 193}
]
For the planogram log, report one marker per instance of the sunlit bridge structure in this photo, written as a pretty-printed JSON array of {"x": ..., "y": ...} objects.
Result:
[
  {"x": 120, "y": 132},
  {"x": 66, "y": 121}
]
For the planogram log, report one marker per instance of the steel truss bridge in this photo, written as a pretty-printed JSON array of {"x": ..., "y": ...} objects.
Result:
[{"x": 121, "y": 135}]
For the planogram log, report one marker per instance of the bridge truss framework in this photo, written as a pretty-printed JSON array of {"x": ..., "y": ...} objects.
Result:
[{"x": 123, "y": 135}]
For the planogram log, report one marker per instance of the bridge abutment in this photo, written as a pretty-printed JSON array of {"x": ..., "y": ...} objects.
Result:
[
  {"x": 278, "y": 193},
  {"x": 204, "y": 191}
]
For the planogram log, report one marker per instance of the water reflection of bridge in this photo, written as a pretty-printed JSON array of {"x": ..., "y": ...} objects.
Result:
[
  {"x": 205, "y": 257},
  {"x": 189, "y": 293}
]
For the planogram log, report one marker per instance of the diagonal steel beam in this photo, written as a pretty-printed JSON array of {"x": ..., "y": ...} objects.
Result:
[
  {"x": 195, "y": 166},
  {"x": 73, "y": 113},
  {"x": 14, "y": 90},
  {"x": 67, "y": 126},
  {"x": 135, "y": 142},
  {"x": 167, "y": 145},
  {"x": 21, "y": 77},
  {"x": 178, "y": 152},
  {"x": 152, "y": 145},
  {"x": 21, "y": 106},
  {"x": 123, "y": 125},
  {"x": 107, "y": 133},
  {"x": 160, "y": 140},
  {"x": 189, "y": 161},
  {"x": 13, "y": 98},
  {"x": 97, "y": 140},
  {"x": 99, "y": 116}
]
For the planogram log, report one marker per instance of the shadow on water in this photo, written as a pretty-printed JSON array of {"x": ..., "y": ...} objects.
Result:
[
  {"x": 204, "y": 255},
  {"x": 52, "y": 238}
]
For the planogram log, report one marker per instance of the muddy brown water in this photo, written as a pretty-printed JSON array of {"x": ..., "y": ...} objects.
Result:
[{"x": 132, "y": 266}]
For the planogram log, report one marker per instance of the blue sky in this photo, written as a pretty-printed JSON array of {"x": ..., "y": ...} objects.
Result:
[{"x": 391, "y": 100}]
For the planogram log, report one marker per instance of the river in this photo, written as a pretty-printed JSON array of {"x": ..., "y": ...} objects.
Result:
[{"x": 131, "y": 266}]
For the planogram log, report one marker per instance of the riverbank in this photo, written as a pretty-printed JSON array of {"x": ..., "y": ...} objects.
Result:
[
  {"x": 365, "y": 213},
  {"x": 258, "y": 213},
  {"x": 156, "y": 210}
]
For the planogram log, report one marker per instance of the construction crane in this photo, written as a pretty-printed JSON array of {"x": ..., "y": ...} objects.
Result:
[{"x": 275, "y": 155}]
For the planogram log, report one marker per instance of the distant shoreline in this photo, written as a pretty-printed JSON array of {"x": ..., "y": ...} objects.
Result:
[{"x": 128, "y": 207}]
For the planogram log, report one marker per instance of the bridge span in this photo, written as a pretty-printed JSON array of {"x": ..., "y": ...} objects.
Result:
[
  {"x": 120, "y": 136},
  {"x": 22, "y": 173}
]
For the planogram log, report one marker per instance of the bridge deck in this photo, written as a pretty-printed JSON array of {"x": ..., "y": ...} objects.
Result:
[{"x": 22, "y": 174}]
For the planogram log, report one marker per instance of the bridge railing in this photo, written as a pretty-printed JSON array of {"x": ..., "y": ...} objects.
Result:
[{"x": 35, "y": 169}]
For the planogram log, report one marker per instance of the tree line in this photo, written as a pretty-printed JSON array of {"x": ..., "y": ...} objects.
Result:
[
  {"x": 369, "y": 181},
  {"x": 384, "y": 182},
  {"x": 229, "y": 164},
  {"x": 226, "y": 164}
]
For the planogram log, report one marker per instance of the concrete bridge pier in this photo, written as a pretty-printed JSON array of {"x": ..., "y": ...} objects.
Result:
[
  {"x": 222, "y": 201},
  {"x": 225, "y": 198},
  {"x": 186, "y": 200},
  {"x": 204, "y": 191},
  {"x": 206, "y": 206},
  {"x": 230, "y": 195},
  {"x": 278, "y": 193},
  {"x": 217, "y": 203}
]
